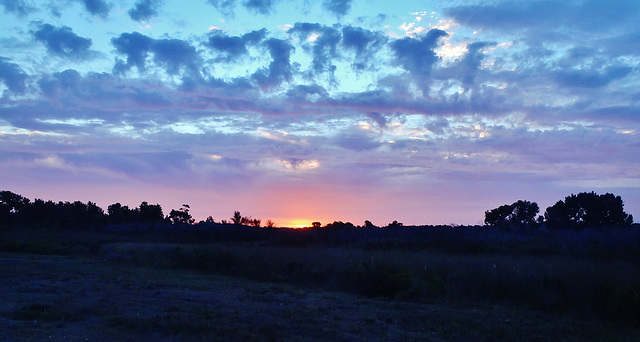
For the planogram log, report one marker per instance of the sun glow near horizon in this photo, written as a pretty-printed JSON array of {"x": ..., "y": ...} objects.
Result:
[{"x": 295, "y": 223}]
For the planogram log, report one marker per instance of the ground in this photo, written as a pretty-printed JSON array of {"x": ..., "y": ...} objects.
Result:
[{"x": 67, "y": 298}]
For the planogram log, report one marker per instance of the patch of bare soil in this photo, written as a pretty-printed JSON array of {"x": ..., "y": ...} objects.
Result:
[{"x": 72, "y": 299}]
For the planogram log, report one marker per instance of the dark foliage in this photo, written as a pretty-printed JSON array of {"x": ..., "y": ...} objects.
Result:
[
  {"x": 181, "y": 216},
  {"x": 588, "y": 210},
  {"x": 517, "y": 215},
  {"x": 17, "y": 211}
]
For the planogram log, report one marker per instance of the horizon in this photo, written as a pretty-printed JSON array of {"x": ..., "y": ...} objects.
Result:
[{"x": 341, "y": 110}]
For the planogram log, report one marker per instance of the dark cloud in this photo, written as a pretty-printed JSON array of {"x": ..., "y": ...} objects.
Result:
[
  {"x": 324, "y": 46},
  {"x": 547, "y": 15},
  {"x": 234, "y": 46},
  {"x": 591, "y": 78},
  {"x": 417, "y": 55},
  {"x": 67, "y": 79},
  {"x": 280, "y": 69},
  {"x": 136, "y": 46},
  {"x": 254, "y": 37},
  {"x": 357, "y": 140},
  {"x": 627, "y": 44},
  {"x": 97, "y": 7},
  {"x": 173, "y": 54},
  {"x": 260, "y": 6},
  {"x": 12, "y": 76},
  {"x": 307, "y": 93},
  {"x": 338, "y": 7},
  {"x": 62, "y": 41},
  {"x": 20, "y": 7},
  {"x": 141, "y": 165},
  {"x": 230, "y": 45},
  {"x": 378, "y": 118},
  {"x": 365, "y": 43},
  {"x": 471, "y": 62},
  {"x": 467, "y": 68},
  {"x": 226, "y": 7},
  {"x": 145, "y": 9},
  {"x": 102, "y": 93}
]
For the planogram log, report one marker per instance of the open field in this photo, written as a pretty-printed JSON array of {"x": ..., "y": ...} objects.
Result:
[{"x": 65, "y": 289}]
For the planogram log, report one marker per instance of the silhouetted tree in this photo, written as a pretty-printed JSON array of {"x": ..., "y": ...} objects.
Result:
[
  {"x": 153, "y": 212},
  {"x": 119, "y": 213},
  {"x": 368, "y": 224},
  {"x": 12, "y": 208},
  {"x": 236, "y": 218},
  {"x": 270, "y": 224},
  {"x": 394, "y": 224},
  {"x": 340, "y": 225},
  {"x": 519, "y": 214},
  {"x": 181, "y": 216},
  {"x": 316, "y": 224},
  {"x": 588, "y": 209}
]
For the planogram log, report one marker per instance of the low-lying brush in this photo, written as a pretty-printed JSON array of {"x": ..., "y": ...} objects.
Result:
[
  {"x": 589, "y": 288},
  {"x": 591, "y": 273}
]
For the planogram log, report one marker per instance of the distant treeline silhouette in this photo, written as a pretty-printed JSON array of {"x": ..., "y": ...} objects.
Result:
[
  {"x": 586, "y": 209},
  {"x": 576, "y": 211}
]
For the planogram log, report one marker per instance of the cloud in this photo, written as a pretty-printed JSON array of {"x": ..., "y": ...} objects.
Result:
[
  {"x": 234, "y": 46},
  {"x": 308, "y": 93},
  {"x": 324, "y": 41},
  {"x": 145, "y": 9},
  {"x": 417, "y": 55},
  {"x": 338, "y": 7},
  {"x": 591, "y": 78},
  {"x": 365, "y": 43},
  {"x": 62, "y": 41},
  {"x": 254, "y": 37},
  {"x": 20, "y": 7},
  {"x": 67, "y": 79},
  {"x": 136, "y": 46},
  {"x": 12, "y": 76},
  {"x": 259, "y": 6},
  {"x": 467, "y": 68},
  {"x": 357, "y": 140},
  {"x": 280, "y": 69},
  {"x": 226, "y": 7},
  {"x": 545, "y": 16},
  {"x": 97, "y": 7},
  {"x": 173, "y": 54}
]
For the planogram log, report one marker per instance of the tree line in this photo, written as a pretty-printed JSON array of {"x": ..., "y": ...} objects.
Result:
[
  {"x": 17, "y": 210},
  {"x": 575, "y": 211},
  {"x": 586, "y": 209}
]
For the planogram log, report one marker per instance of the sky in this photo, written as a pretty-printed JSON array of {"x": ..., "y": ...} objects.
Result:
[{"x": 424, "y": 112}]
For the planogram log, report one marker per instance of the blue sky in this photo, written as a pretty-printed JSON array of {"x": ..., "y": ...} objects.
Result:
[{"x": 425, "y": 112}]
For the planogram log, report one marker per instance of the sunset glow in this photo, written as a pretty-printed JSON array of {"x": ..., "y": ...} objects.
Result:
[{"x": 424, "y": 112}]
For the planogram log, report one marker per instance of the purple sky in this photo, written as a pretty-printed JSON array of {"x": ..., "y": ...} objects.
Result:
[{"x": 425, "y": 112}]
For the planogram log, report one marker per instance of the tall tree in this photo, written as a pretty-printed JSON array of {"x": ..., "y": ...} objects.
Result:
[
  {"x": 588, "y": 209},
  {"x": 518, "y": 214}
]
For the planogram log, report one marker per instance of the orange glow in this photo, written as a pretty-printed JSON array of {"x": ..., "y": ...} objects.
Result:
[{"x": 297, "y": 223}]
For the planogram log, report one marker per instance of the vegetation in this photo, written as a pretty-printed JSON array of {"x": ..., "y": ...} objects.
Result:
[
  {"x": 587, "y": 276},
  {"x": 588, "y": 210}
]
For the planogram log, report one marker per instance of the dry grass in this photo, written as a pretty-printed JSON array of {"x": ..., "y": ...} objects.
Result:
[{"x": 62, "y": 298}]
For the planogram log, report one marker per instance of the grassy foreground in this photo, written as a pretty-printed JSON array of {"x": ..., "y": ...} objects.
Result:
[
  {"x": 65, "y": 298},
  {"x": 64, "y": 286}
]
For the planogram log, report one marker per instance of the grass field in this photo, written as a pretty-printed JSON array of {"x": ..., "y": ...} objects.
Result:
[{"x": 63, "y": 287}]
